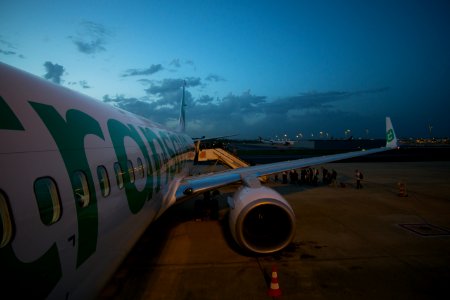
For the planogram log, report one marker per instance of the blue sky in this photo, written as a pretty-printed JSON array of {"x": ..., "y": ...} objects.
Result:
[{"x": 253, "y": 68}]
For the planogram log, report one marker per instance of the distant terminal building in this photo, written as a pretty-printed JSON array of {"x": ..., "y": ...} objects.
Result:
[{"x": 349, "y": 144}]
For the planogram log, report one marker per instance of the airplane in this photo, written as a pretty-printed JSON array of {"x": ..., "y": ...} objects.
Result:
[
  {"x": 204, "y": 138},
  {"x": 274, "y": 142},
  {"x": 81, "y": 181}
]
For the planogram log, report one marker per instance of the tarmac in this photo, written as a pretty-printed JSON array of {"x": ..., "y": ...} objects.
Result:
[{"x": 378, "y": 242}]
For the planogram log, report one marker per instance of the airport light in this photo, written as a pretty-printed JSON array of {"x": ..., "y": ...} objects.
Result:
[{"x": 347, "y": 132}]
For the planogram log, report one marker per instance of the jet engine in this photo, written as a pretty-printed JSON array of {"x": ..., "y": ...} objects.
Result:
[{"x": 261, "y": 220}]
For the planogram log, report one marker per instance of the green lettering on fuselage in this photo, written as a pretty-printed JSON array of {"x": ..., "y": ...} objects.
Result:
[
  {"x": 165, "y": 140},
  {"x": 48, "y": 266},
  {"x": 8, "y": 119},
  {"x": 69, "y": 136},
  {"x": 38, "y": 277},
  {"x": 151, "y": 137},
  {"x": 118, "y": 132}
]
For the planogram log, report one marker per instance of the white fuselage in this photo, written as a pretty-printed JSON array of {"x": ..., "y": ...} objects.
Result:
[{"x": 79, "y": 183}]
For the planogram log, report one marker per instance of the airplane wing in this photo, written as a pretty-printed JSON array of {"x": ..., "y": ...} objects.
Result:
[{"x": 202, "y": 183}]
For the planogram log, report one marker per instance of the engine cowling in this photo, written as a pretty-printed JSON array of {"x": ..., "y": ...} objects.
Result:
[{"x": 261, "y": 220}]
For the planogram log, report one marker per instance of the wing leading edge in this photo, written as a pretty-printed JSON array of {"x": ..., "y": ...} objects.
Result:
[{"x": 201, "y": 183}]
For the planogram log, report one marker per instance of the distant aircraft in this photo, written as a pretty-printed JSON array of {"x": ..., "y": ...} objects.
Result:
[
  {"x": 274, "y": 142},
  {"x": 204, "y": 138},
  {"x": 80, "y": 182}
]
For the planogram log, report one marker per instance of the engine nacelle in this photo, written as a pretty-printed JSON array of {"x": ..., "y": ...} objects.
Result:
[{"x": 261, "y": 220}]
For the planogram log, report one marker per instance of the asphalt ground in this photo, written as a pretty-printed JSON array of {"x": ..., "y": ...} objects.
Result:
[{"x": 368, "y": 243}]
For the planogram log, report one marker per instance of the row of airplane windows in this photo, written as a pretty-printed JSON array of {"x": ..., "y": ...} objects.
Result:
[{"x": 49, "y": 201}]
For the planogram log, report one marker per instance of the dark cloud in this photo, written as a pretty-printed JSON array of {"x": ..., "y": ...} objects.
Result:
[
  {"x": 317, "y": 100},
  {"x": 90, "y": 47},
  {"x": 250, "y": 115},
  {"x": 92, "y": 38},
  {"x": 145, "y": 81},
  {"x": 214, "y": 77},
  {"x": 7, "y": 52},
  {"x": 172, "y": 85},
  {"x": 205, "y": 99},
  {"x": 166, "y": 86},
  {"x": 159, "y": 111},
  {"x": 84, "y": 84},
  {"x": 138, "y": 72},
  {"x": 176, "y": 63},
  {"x": 54, "y": 72},
  {"x": 9, "y": 49},
  {"x": 118, "y": 99}
]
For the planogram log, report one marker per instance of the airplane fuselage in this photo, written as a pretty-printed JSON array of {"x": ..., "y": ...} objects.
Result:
[{"x": 73, "y": 170}]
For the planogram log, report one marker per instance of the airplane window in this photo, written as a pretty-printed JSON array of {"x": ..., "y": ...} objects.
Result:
[
  {"x": 130, "y": 170},
  {"x": 119, "y": 175},
  {"x": 6, "y": 229},
  {"x": 48, "y": 200},
  {"x": 104, "y": 180},
  {"x": 140, "y": 168},
  {"x": 81, "y": 188}
]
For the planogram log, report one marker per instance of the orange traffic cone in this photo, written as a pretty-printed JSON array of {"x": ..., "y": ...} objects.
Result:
[
  {"x": 274, "y": 290},
  {"x": 402, "y": 190}
]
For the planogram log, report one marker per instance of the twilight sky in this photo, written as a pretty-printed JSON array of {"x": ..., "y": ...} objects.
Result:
[{"x": 253, "y": 68}]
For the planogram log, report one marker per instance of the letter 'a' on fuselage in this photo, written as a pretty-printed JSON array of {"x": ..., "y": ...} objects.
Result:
[{"x": 391, "y": 138}]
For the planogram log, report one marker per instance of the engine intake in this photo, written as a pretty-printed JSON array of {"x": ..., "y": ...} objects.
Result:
[{"x": 261, "y": 220}]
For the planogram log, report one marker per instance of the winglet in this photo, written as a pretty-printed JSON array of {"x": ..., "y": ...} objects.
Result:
[
  {"x": 391, "y": 138},
  {"x": 182, "y": 121}
]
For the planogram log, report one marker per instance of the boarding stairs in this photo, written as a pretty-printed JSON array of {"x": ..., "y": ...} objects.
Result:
[
  {"x": 219, "y": 154},
  {"x": 225, "y": 157}
]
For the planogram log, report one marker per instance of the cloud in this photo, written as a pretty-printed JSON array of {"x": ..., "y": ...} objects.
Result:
[
  {"x": 175, "y": 62},
  {"x": 92, "y": 38},
  {"x": 317, "y": 100},
  {"x": 158, "y": 111},
  {"x": 54, "y": 72},
  {"x": 84, "y": 84},
  {"x": 145, "y": 81},
  {"x": 214, "y": 77},
  {"x": 172, "y": 85},
  {"x": 9, "y": 49},
  {"x": 248, "y": 114},
  {"x": 205, "y": 99},
  {"x": 7, "y": 52},
  {"x": 90, "y": 47},
  {"x": 149, "y": 71}
]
